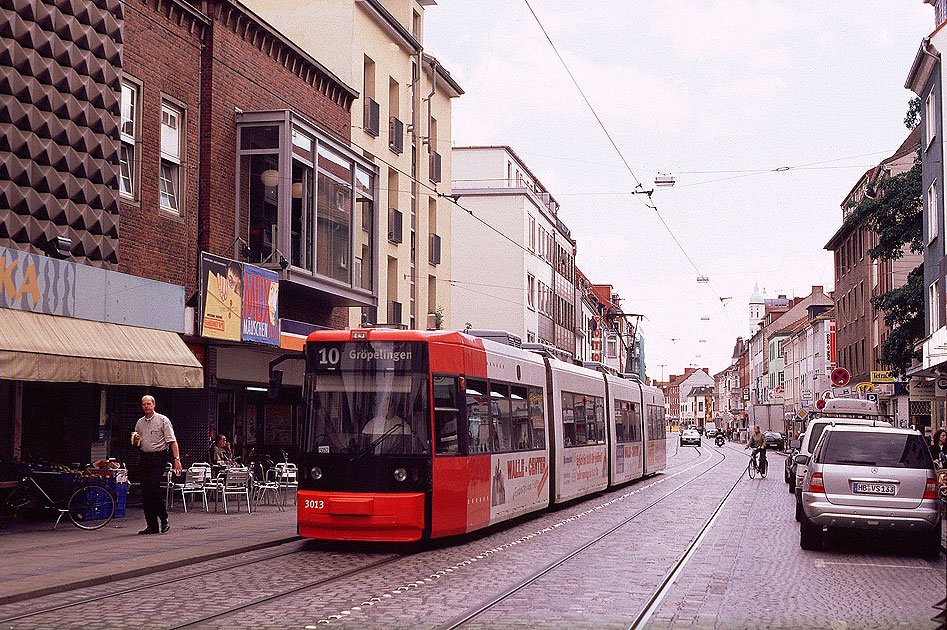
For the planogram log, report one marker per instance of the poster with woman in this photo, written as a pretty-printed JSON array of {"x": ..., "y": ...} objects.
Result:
[{"x": 222, "y": 293}]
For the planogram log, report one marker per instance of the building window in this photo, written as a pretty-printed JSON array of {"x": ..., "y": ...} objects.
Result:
[
  {"x": 932, "y": 212},
  {"x": 930, "y": 119},
  {"x": 934, "y": 306},
  {"x": 612, "y": 348},
  {"x": 531, "y": 291},
  {"x": 532, "y": 233},
  {"x": 129, "y": 138},
  {"x": 172, "y": 120},
  {"x": 304, "y": 201}
]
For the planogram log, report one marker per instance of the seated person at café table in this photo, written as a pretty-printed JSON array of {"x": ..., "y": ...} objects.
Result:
[{"x": 221, "y": 454}]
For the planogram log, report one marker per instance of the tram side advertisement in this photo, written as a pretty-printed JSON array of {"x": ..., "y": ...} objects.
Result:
[{"x": 518, "y": 484}]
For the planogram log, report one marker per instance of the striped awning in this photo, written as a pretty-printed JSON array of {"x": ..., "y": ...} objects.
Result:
[{"x": 39, "y": 347}]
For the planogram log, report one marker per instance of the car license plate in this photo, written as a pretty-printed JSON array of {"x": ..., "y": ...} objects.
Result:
[{"x": 873, "y": 488}]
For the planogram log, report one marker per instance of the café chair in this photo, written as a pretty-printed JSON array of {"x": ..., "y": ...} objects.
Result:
[
  {"x": 265, "y": 486},
  {"x": 193, "y": 484},
  {"x": 236, "y": 483},
  {"x": 168, "y": 484},
  {"x": 287, "y": 476}
]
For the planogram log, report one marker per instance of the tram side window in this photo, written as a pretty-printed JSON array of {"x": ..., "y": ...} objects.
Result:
[
  {"x": 591, "y": 429},
  {"x": 581, "y": 423},
  {"x": 599, "y": 420},
  {"x": 635, "y": 433},
  {"x": 502, "y": 422},
  {"x": 568, "y": 420},
  {"x": 626, "y": 421},
  {"x": 521, "y": 431},
  {"x": 478, "y": 417},
  {"x": 446, "y": 415},
  {"x": 536, "y": 417}
]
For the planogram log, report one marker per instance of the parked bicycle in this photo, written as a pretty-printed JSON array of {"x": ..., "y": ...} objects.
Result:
[
  {"x": 88, "y": 503},
  {"x": 757, "y": 465}
]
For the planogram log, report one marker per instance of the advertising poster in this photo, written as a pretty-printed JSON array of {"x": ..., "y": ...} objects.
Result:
[
  {"x": 260, "y": 305},
  {"x": 278, "y": 424},
  {"x": 222, "y": 296},
  {"x": 251, "y": 424}
]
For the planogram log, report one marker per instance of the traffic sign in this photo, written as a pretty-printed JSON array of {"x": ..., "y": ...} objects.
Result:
[
  {"x": 871, "y": 396},
  {"x": 840, "y": 376},
  {"x": 820, "y": 404}
]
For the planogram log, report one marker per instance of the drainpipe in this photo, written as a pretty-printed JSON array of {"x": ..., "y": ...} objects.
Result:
[
  {"x": 430, "y": 105},
  {"x": 415, "y": 117},
  {"x": 925, "y": 48}
]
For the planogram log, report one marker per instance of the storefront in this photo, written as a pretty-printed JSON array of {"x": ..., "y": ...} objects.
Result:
[{"x": 79, "y": 346}]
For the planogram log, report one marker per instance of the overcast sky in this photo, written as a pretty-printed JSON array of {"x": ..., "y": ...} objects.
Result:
[{"x": 718, "y": 94}]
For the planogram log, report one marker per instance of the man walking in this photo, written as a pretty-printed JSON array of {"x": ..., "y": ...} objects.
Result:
[{"x": 154, "y": 434}]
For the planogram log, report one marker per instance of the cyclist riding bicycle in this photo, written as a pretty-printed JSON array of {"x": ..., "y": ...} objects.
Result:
[{"x": 757, "y": 442}]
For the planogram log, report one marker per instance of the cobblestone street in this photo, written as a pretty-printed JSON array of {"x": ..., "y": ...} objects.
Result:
[{"x": 747, "y": 572}]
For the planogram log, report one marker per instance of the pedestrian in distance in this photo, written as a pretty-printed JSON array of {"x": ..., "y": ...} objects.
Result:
[
  {"x": 154, "y": 435},
  {"x": 939, "y": 448}
]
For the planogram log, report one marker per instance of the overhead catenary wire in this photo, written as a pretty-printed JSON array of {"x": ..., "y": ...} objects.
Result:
[{"x": 649, "y": 203}]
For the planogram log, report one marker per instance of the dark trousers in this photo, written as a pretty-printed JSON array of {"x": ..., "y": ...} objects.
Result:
[{"x": 152, "y": 496}]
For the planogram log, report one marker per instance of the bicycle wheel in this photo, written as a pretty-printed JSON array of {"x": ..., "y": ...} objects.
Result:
[
  {"x": 91, "y": 507},
  {"x": 751, "y": 469},
  {"x": 17, "y": 501}
]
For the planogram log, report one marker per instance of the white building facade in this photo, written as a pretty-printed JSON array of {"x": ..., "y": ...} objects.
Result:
[
  {"x": 512, "y": 260},
  {"x": 401, "y": 122}
]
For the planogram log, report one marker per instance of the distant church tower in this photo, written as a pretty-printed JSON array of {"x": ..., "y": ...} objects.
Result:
[{"x": 757, "y": 310}]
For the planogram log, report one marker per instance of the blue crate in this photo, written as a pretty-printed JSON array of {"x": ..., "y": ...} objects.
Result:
[
  {"x": 99, "y": 510},
  {"x": 121, "y": 494}
]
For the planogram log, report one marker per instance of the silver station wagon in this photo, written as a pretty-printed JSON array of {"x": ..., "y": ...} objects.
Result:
[{"x": 874, "y": 478}]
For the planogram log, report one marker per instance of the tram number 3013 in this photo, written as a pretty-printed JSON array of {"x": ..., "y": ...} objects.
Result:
[
  {"x": 314, "y": 504},
  {"x": 328, "y": 356}
]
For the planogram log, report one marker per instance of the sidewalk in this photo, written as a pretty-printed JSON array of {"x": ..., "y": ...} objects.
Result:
[{"x": 41, "y": 561}]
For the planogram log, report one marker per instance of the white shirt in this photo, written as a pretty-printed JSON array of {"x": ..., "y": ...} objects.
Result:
[{"x": 156, "y": 433}]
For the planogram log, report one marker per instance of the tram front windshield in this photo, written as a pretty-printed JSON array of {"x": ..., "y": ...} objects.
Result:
[{"x": 362, "y": 413}]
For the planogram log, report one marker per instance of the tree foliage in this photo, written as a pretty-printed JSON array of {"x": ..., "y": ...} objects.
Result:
[
  {"x": 904, "y": 314},
  {"x": 895, "y": 215},
  {"x": 913, "y": 118}
]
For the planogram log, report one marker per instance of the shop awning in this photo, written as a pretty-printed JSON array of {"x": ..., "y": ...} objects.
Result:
[{"x": 39, "y": 347}]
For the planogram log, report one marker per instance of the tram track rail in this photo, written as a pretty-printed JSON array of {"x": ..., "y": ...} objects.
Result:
[
  {"x": 654, "y": 601},
  {"x": 152, "y": 584},
  {"x": 297, "y": 589}
]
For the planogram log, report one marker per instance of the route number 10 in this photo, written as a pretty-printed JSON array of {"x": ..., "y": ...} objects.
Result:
[{"x": 328, "y": 356}]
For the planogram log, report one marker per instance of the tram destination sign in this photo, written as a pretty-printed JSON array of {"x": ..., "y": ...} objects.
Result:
[{"x": 367, "y": 356}]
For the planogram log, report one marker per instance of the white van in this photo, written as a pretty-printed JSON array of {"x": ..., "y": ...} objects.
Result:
[
  {"x": 836, "y": 411},
  {"x": 710, "y": 429}
]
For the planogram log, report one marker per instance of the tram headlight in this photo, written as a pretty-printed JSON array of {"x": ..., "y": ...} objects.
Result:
[
  {"x": 315, "y": 472},
  {"x": 400, "y": 474}
]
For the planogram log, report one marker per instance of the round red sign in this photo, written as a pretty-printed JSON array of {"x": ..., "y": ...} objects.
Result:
[{"x": 840, "y": 377}]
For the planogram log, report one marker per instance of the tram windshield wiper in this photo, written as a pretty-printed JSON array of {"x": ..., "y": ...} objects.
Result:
[{"x": 381, "y": 438}]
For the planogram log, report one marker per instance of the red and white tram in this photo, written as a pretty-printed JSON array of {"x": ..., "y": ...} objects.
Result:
[{"x": 407, "y": 435}]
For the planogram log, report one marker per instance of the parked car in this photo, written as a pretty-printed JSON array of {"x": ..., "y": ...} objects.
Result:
[
  {"x": 837, "y": 411},
  {"x": 774, "y": 440},
  {"x": 789, "y": 467},
  {"x": 871, "y": 478},
  {"x": 690, "y": 436}
]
